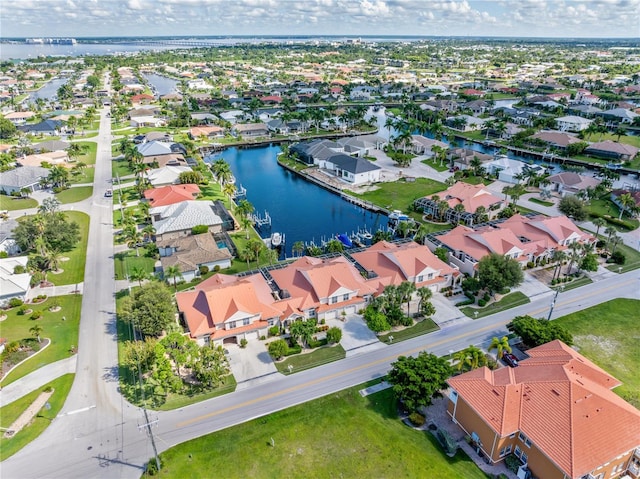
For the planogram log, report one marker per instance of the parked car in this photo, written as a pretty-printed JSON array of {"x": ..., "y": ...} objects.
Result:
[{"x": 510, "y": 359}]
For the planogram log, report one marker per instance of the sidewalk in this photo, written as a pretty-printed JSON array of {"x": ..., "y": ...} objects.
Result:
[
  {"x": 37, "y": 379},
  {"x": 56, "y": 290}
]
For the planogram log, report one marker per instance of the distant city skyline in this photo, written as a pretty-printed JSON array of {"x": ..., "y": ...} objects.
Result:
[{"x": 493, "y": 18}]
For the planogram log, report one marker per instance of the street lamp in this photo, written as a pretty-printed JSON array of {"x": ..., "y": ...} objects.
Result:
[
  {"x": 390, "y": 339},
  {"x": 619, "y": 269},
  {"x": 553, "y": 302},
  {"x": 475, "y": 314}
]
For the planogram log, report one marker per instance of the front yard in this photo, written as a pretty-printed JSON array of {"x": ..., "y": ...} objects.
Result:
[{"x": 400, "y": 195}]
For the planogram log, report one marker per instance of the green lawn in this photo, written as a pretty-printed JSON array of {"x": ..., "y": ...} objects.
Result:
[
  {"x": 120, "y": 168},
  {"x": 63, "y": 334},
  {"x": 604, "y": 206},
  {"x": 632, "y": 262},
  {"x": 399, "y": 195},
  {"x": 86, "y": 176},
  {"x": 541, "y": 202},
  {"x": 476, "y": 180},
  {"x": 11, "y": 412},
  {"x": 436, "y": 164},
  {"x": 341, "y": 435},
  {"x": 89, "y": 152},
  {"x": 74, "y": 267},
  {"x": 607, "y": 334},
  {"x": 75, "y": 194},
  {"x": 576, "y": 283},
  {"x": 10, "y": 203},
  {"x": 128, "y": 260},
  {"x": 423, "y": 327},
  {"x": 511, "y": 300},
  {"x": 300, "y": 362},
  {"x": 175, "y": 401}
]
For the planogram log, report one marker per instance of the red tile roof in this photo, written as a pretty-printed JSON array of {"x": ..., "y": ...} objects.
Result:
[
  {"x": 169, "y": 195},
  {"x": 561, "y": 401}
]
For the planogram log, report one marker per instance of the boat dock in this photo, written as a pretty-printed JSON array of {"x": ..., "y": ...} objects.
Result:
[{"x": 261, "y": 221}]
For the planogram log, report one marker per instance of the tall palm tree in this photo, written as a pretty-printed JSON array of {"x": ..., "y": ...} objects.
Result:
[
  {"x": 173, "y": 272},
  {"x": 574, "y": 255},
  {"x": 460, "y": 358},
  {"x": 425, "y": 294},
  {"x": 36, "y": 331},
  {"x": 500, "y": 345},
  {"x": 407, "y": 288},
  {"x": 246, "y": 223},
  {"x": 298, "y": 248},
  {"x": 599, "y": 223},
  {"x": 626, "y": 202},
  {"x": 475, "y": 357},
  {"x": 229, "y": 189},
  {"x": 558, "y": 256},
  {"x": 138, "y": 274}
]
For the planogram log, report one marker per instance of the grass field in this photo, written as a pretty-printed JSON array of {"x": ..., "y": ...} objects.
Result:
[
  {"x": 127, "y": 260},
  {"x": 300, "y": 362},
  {"x": 604, "y": 206},
  {"x": 511, "y": 300},
  {"x": 74, "y": 268},
  {"x": 436, "y": 164},
  {"x": 423, "y": 327},
  {"x": 73, "y": 195},
  {"x": 541, "y": 202},
  {"x": 399, "y": 195},
  {"x": 10, "y": 203},
  {"x": 341, "y": 435},
  {"x": 63, "y": 334},
  {"x": 632, "y": 262},
  {"x": 89, "y": 152},
  {"x": 608, "y": 335},
  {"x": 11, "y": 412}
]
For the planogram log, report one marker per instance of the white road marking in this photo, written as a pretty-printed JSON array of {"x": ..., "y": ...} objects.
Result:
[{"x": 77, "y": 411}]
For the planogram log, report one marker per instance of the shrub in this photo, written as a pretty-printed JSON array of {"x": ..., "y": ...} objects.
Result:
[
  {"x": 243, "y": 343},
  {"x": 618, "y": 257},
  {"x": 448, "y": 442},
  {"x": 274, "y": 331},
  {"x": 491, "y": 362},
  {"x": 504, "y": 291},
  {"x": 263, "y": 337},
  {"x": 334, "y": 335},
  {"x": 279, "y": 348},
  {"x": 600, "y": 243},
  {"x": 470, "y": 295},
  {"x": 512, "y": 463},
  {"x": 36, "y": 315},
  {"x": 22, "y": 310},
  {"x": 199, "y": 229},
  {"x": 216, "y": 268},
  {"x": 19, "y": 269},
  {"x": 12, "y": 347},
  {"x": 466, "y": 302},
  {"x": 486, "y": 297},
  {"x": 203, "y": 269},
  {"x": 152, "y": 468},
  {"x": 482, "y": 303},
  {"x": 530, "y": 264},
  {"x": 15, "y": 302},
  {"x": 417, "y": 419}
]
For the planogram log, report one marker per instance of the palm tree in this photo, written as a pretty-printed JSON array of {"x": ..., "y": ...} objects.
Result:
[
  {"x": 474, "y": 357},
  {"x": 460, "y": 358},
  {"x": 229, "y": 189},
  {"x": 138, "y": 274},
  {"x": 298, "y": 248},
  {"x": 620, "y": 132},
  {"x": 599, "y": 223},
  {"x": 245, "y": 208},
  {"x": 574, "y": 255},
  {"x": 256, "y": 246},
  {"x": 173, "y": 272},
  {"x": 406, "y": 289},
  {"x": 500, "y": 345},
  {"x": 626, "y": 202},
  {"x": 222, "y": 171},
  {"x": 558, "y": 256},
  {"x": 610, "y": 231},
  {"x": 147, "y": 232},
  {"x": 425, "y": 294},
  {"x": 36, "y": 331},
  {"x": 246, "y": 222}
]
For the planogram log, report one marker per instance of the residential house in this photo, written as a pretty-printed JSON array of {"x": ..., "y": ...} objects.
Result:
[
  {"x": 556, "y": 412},
  {"x": 619, "y": 115},
  {"x": 7, "y": 242},
  {"x": 462, "y": 157},
  {"x": 509, "y": 170},
  {"x": 556, "y": 139},
  {"x": 190, "y": 253},
  {"x": 477, "y": 107},
  {"x": 570, "y": 183},
  {"x": 395, "y": 263},
  {"x": 162, "y": 153},
  {"x": 232, "y": 116},
  {"x": 360, "y": 145},
  {"x": 57, "y": 158},
  {"x": 421, "y": 145},
  {"x": 22, "y": 178},
  {"x": 176, "y": 220},
  {"x": 225, "y": 309},
  {"x": 612, "y": 150},
  {"x": 44, "y": 128},
  {"x": 315, "y": 151},
  {"x": 19, "y": 118},
  {"x": 353, "y": 169},
  {"x": 250, "y": 130},
  {"x": 166, "y": 175},
  {"x": 50, "y": 145},
  {"x": 617, "y": 193},
  {"x": 572, "y": 123},
  {"x": 171, "y": 194},
  {"x": 12, "y": 284},
  {"x": 466, "y": 122},
  {"x": 210, "y": 131},
  {"x": 147, "y": 121}
]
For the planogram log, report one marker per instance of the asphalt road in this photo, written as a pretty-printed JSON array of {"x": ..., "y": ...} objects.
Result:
[{"x": 98, "y": 434}]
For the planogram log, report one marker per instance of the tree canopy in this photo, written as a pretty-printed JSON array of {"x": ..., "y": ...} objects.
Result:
[
  {"x": 573, "y": 207},
  {"x": 150, "y": 308},
  {"x": 536, "y": 331},
  {"x": 496, "y": 272},
  {"x": 416, "y": 380},
  {"x": 53, "y": 228}
]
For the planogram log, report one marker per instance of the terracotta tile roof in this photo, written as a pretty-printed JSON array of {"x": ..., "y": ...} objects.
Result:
[
  {"x": 470, "y": 196},
  {"x": 171, "y": 194},
  {"x": 550, "y": 231},
  {"x": 561, "y": 401}
]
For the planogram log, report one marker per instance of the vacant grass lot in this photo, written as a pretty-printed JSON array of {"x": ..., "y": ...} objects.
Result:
[
  {"x": 608, "y": 335},
  {"x": 63, "y": 334},
  {"x": 127, "y": 260},
  {"x": 11, "y": 412},
  {"x": 74, "y": 268},
  {"x": 10, "y": 203},
  {"x": 341, "y": 435},
  {"x": 73, "y": 195},
  {"x": 399, "y": 195}
]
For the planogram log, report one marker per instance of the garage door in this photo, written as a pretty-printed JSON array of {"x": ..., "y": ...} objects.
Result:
[
  {"x": 330, "y": 315},
  {"x": 230, "y": 340},
  {"x": 350, "y": 310}
]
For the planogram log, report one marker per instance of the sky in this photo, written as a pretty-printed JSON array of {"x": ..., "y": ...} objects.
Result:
[{"x": 516, "y": 18}]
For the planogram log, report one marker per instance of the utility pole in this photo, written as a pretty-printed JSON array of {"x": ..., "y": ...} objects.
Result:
[{"x": 553, "y": 303}]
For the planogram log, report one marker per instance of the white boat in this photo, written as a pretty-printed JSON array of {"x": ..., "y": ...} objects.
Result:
[
  {"x": 276, "y": 239},
  {"x": 398, "y": 215}
]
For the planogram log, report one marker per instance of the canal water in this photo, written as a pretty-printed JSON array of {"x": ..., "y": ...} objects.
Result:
[
  {"x": 49, "y": 90},
  {"x": 303, "y": 211},
  {"x": 162, "y": 85}
]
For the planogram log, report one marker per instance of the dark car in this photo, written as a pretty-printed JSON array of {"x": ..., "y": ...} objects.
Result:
[{"x": 510, "y": 359}]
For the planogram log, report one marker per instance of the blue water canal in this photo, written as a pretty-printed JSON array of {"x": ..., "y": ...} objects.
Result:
[{"x": 301, "y": 210}]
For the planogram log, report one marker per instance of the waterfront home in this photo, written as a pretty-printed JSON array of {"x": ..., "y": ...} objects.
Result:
[
  {"x": 171, "y": 194},
  {"x": 612, "y": 150},
  {"x": 360, "y": 145},
  {"x": 54, "y": 158},
  {"x": 570, "y": 183},
  {"x": 523, "y": 238},
  {"x": 477, "y": 107},
  {"x": 395, "y": 263},
  {"x": 314, "y": 152},
  {"x": 232, "y": 116},
  {"x": 147, "y": 121},
  {"x": 250, "y": 130},
  {"x": 22, "y": 178},
  {"x": 226, "y": 309},
  {"x": 421, "y": 145},
  {"x": 209, "y": 132},
  {"x": 162, "y": 153},
  {"x": 556, "y": 412},
  {"x": 557, "y": 139},
  {"x": 19, "y": 117},
  {"x": 50, "y": 145},
  {"x": 509, "y": 170},
  {"x": 192, "y": 254},
  {"x": 142, "y": 99},
  {"x": 461, "y": 157},
  {"x": 572, "y": 123},
  {"x": 166, "y": 175},
  {"x": 466, "y": 122},
  {"x": 143, "y": 112},
  {"x": 178, "y": 219},
  {"x": 12, "y": 284},
  {"x": 352, "y": 169},
  {"x": 619, "y": 115}
]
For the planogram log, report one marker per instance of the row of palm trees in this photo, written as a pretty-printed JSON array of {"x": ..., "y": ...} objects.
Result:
[{"x": 473, "y": 357}]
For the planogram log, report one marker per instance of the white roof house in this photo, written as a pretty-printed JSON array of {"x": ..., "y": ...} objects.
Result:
[
  {"x": 507, "y": 169},
  {"x": 572, "y": 123},
  {"x": 178, "y": 219},
  {"x": 13, "y": 285},
  {"x": 167, "y": 175}
]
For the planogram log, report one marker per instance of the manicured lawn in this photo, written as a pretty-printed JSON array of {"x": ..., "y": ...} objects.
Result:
[
  {"x": 607, "y": 334},
  {"x": 436, "y": 164},
  {"x": 632, "y": 262},
  {"x": 128, "y": 260},
  {"x": 63, "y": 334},
  {"x": 341, "y": 435},
  {"x": 86, "y": 176},
  {"x": 175, "y": 401},
  {"x": 120, "y": 168},
  {"x": 74, "y": 267},
  {"x": 89, "y": 152},
  {"x": 399, "y": 195},
  {"x": 293, "y": 164},
  {"x": 300, "y": 362},
  {"x": 511, "y": 300},
  {"x": 541, "y": 202},
  {"x": 604, "y": 206},
  {"x": 423, "y": 327},
  {"x": 476, "y": 180},
  {"x": 73, "y": 195},
  {"x": 576, "y": 283},
  {"x": 10, "y": 203},
  {"x": 11, "y": 412}
]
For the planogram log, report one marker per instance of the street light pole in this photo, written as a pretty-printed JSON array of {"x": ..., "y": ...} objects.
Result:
[{"x": 553, "y": 303}]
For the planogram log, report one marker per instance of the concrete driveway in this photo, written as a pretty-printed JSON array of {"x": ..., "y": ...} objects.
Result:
[
  {"x": 250, "y": 363},
  {"x": 356, "y": 335}
]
